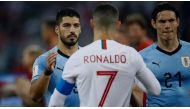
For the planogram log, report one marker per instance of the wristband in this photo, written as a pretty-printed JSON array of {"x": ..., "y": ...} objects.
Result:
[{"x": 48, "y": 72}]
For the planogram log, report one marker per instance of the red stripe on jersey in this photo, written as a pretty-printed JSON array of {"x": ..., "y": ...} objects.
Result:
[{"x": 104, "y": 44}]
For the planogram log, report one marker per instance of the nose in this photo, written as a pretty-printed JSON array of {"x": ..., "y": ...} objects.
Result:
[
  {"x": 167, "y": 25},
  {"x": 72, "y": 29}
]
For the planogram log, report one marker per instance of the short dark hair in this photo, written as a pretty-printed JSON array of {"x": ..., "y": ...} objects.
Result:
[
  {"x": 136, "y": 19},
  {"x": 50, "y": 23},
  {"x": 162, "y": 7},
  {"x": 105, "y": 15},
  {"x": 66, "y": 12}
]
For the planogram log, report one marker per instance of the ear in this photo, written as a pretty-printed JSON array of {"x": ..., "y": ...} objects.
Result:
[
  {"x": 57, "y": 29},
  {"x": 92, "y": 23},
  {"x": 118, "y": 25},
  {"x": 80, "y": 30},
  {"x": 153, "y": 24}
]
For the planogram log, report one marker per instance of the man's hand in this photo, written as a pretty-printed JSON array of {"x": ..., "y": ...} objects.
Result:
[
  {"x": 137, "y": 97},
  {"x": 50, "y": 63}
]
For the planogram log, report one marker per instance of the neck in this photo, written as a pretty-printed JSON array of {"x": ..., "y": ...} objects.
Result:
[
  {"x": 168, "y": 45},
  {"x": 103, "y": 34},
  {"x": 67, "y": 50}
]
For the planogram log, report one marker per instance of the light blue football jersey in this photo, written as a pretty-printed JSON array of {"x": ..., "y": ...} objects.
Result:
[
  {"x": 172, "y": 69},
  {"x": 39, "y": 67}
]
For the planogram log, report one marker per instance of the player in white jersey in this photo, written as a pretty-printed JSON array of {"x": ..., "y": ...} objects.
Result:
[{"x": 104, "y": 71}]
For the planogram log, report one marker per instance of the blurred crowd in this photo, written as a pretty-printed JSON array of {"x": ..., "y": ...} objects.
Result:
[{"x": 27, "y": 30}]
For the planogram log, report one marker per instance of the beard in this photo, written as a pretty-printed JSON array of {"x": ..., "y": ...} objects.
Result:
[{"x": 68, "y": 41}]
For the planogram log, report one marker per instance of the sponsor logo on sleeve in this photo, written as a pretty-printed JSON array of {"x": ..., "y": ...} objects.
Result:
[{"x": 35, "y": 70}]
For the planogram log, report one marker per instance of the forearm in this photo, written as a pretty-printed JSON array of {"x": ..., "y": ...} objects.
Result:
[
  {"x": 153, "y": 87},
  {"x": 39, "y": 87},
  {"x": 22, "y": 90}
]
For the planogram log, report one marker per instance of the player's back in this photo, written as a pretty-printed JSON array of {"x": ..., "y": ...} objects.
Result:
[{"x": 106, "y": 73}]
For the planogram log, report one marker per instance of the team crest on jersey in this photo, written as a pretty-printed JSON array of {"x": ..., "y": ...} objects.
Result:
[
  {"x": 185, "y": 61},
  {"x": 35, "y": 70}
]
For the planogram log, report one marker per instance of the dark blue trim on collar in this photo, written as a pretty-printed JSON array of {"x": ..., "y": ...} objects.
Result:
[
  {"x": 169, "y": 53},
  {"x": 62, "y": 54}
]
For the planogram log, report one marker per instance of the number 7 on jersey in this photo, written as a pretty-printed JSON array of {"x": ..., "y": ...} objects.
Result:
[{"x": 112, "y": 75}]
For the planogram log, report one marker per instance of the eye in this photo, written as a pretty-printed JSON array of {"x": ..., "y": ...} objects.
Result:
[
  {"x": 76, "y": 25},
  {"x": 162, "y": 21},
  {"x": 171, "y": 20},
  {"x": 67, "y": 25}
]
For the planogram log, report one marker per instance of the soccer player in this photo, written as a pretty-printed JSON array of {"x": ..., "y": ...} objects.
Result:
[
  {"x": 120, "y": 36},
  {"x": 136, "y": 29},
  {"x": 30, "y": 53},
  {"x": 104, "y": 71},
  {"x": 48, "y": 67},
  {"x": 168, "y": 58}
]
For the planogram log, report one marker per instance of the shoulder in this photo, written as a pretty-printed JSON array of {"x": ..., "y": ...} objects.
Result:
[
  {"x": 80, "y": 47},
  {"x": 125, "y": 48},
  {"x": 77, "y": 57},
  {"x": 85, "y": 49},
  {"x": 184, "y": 43},
  {"x": 185, "y": 47},
  {"x": 148, "y": 50},
  {"x": 42, "y": 57}
]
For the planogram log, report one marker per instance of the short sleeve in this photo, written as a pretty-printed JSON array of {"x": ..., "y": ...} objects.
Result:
[{"x": 38, "y": 67}]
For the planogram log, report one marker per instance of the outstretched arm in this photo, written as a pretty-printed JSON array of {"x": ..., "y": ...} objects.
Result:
[
  {"x": 147, "y": 79},
  {"x": 60, "y": 93}
]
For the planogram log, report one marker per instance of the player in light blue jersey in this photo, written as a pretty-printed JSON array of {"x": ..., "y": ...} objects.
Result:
[
  {"x": 169, "y": 59},
  {"x": 48, "y": 68}
]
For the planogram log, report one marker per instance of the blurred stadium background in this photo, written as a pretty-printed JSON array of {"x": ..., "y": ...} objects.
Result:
[{"x": 20, "y": 26}]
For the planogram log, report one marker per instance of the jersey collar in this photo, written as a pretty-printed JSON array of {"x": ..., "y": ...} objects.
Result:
[
  {"x": 62, "y": 54},
  {"x": 169, "y": 53}
]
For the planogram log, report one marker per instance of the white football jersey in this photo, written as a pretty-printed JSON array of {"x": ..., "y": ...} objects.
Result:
[{"x": 104, "y": 72}]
